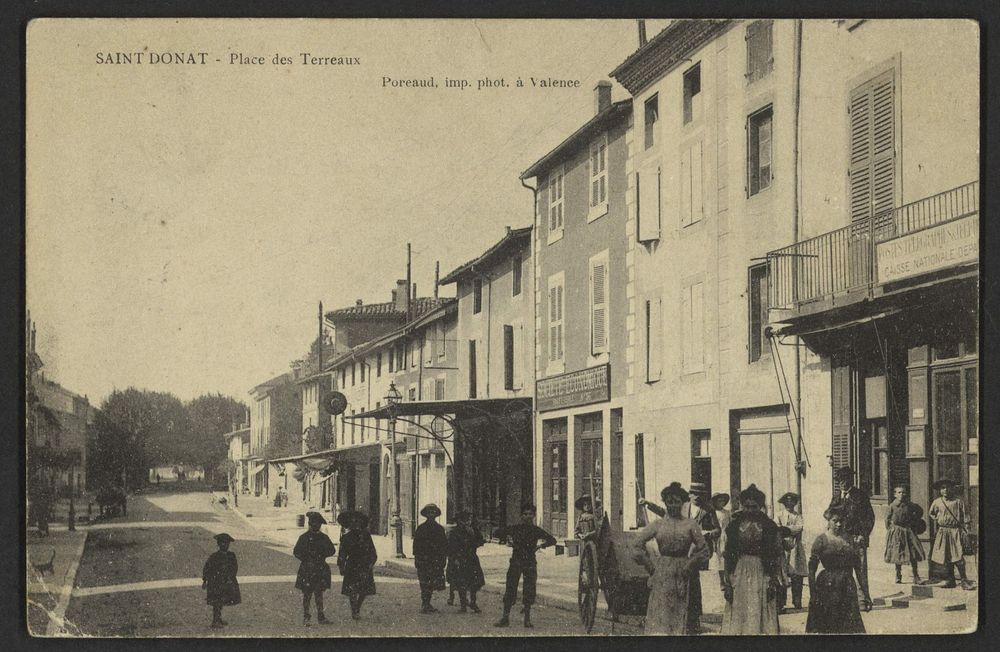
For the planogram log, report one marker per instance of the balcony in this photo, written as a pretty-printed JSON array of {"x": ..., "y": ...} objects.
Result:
[{"x": 872, "y": 257}]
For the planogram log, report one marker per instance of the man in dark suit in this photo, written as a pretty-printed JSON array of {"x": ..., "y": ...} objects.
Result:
[{"x": 859, "y": 518}]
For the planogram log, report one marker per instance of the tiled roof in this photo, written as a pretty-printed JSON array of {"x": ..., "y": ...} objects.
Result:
[
  {"x": 274, "y": 382},
  {"x": 616, "y": 112},
  {"x": 512, "y": 236},
  {"x": 666, "y": 50},
  {"x": 421, "y": 305}
]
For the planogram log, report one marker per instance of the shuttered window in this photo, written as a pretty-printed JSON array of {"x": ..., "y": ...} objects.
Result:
[
  {"x": 759, "y": 151},
  {"x": 840, "y": 376},
  {"x": 518, "y": 356},
  {"x": 555, "y": 202},
  {"x": 516, "y": 271},
  {"x": 652, "y": 115},
  {"x": 760, "y": 57},
  {"x": 654, "y": 340},
  {"x": 599, "y": 173},
  {"x": 599, "y": 304},
  {"x": 692, "y": 94},
  {"x": 873, "y": 150},
  {"x": 472, "y": 369},
  {"x": 556, "y": 318},
  {"x": 648, "y": 198},
  {"x": 757, "y": 299},
  {"x": 439, "y": 389},
  {"x": 508, "y": 357},
  {"x": 692, "y": 192},
  {"x": 692, "y": 328},
  {"x": 477, "y": 296}
]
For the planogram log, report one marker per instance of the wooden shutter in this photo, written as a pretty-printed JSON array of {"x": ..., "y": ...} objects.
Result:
[
  {"x": 518, "y": 363},
  {"x": 559, "y": 306},
  {"x": 654, "y": 339},
  {"x": 686, "y": 187},
  {"x": 840, "y": 376},
  {"x": 697, "y": 192},
  {"x": 472, "y": 369},
  {"x": 648, "y": 199},
  {"x": 873, "y": 148},
  {"x": 553, "y": 318},
  {"x": 508, "y": 357},
  {"x": 599, "y": 306}
]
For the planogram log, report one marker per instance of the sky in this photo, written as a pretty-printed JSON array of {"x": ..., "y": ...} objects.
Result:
[{"x": 184, "y": 220}]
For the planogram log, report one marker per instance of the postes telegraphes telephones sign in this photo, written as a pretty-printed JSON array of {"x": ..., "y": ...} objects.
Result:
[{"x": 592, "y": 385}]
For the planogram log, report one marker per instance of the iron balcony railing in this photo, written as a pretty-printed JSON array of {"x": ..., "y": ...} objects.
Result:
[{"x": 842, "y": 262}]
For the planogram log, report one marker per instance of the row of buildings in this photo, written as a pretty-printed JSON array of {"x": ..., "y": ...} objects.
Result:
[{"x": 760, "y": 265}]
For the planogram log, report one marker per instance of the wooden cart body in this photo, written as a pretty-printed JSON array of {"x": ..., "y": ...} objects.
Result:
[{"x": 608, "y": 564}]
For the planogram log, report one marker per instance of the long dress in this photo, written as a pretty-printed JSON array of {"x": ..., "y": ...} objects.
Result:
[
  {"x": 901, "y": 543},
  {"x": 219, "y": 574},
  {"x": 464, "y": 570},
  {"x": 950, "y": 516},
  {"x": 430, "y": 552},
  {"x": 312, "y": 549},
  {"x": 667, "y": 610},
  {"x": 356, "y": 558},
  {"x": 833, "y": 600},
  {"x": 753, "y": 556}
]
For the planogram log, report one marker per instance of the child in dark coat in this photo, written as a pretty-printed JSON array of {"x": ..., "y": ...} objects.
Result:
[
  {"x": 430, "y": 553},
  {"x": 218, "y": 577},
  {"x": 356, "y": 559},
  {"x": 312, "y": 549},
  {"x": 901, "y": 543},
  {"x": 465, "y": 573}
]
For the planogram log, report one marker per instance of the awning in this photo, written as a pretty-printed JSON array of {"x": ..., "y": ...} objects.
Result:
[
  {"x": 461, "y": 409},
  {"x": 257, "y": 469},
  {"x": 320, "y": 479}
]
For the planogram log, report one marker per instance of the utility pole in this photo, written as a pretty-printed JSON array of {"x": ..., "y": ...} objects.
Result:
[
  {"x": 409, "y": 284},
  {"x": 437, "y": 277}
]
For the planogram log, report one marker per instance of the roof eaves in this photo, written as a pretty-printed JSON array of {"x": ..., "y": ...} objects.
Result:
[{"x": 510, "y": 237}]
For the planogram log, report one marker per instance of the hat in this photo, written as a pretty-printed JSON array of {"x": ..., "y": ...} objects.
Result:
[
  {"x": 582, "y": 500},
  {"x": 843, "y": 473},
  {"x": 674, "y": 489},
  {"x": 752, "y": 493},
  {"x": 352, "y": 519},
  {"x": 945, "y": 482},
  {"x": 315, "y": 517},
  {"x": 789, "y": 498},
  {"x": 430, "y": 510},
  {"x": 721, "y": 494},
  {"x": 222, "y": 537},
  {"x": 699, "y": 488}
]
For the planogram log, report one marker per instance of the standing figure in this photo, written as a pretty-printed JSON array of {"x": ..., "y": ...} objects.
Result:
[
  {"x": 523, "y": 538},
  {"x": 701, "y": 512},
  {"x": 951, "y": 518},
  {"x": 719, "y": 502},
  {"x": 587, "y": 523},
  {"x": 796, "y": 563},
  {"x": 430, "y": 552},
  {"x": 218, "y": 578},
  {"x": 833, "y": 603},
  {"x": 356, "y": 560},
  {"x": 858, "y": 515},
  {"x": 312, "y": 549},
  {"x": 670, "y": 575},
  {"x": 901, "y": 543},
  {"x": 465, "y": 573},
  {"x": 754, "y": 559}
]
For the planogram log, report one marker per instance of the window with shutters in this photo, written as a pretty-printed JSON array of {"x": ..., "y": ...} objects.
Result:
[
  {"x": 556, "y": 288},
  {"x": 692, "y": 328},
  {"x": 760, "y": 58},
  {"x": 647, "y": 187},
  {"x": 654, "y": 339},
  {"x": 692, "y": 94},
  {"x": 442, "y": 341},
  {"x": 842, "y": 411},
  {"x": 472, "y": 369},
  {"x": 378, "y": 364},
  {"x": 392, "y": 359},
  {"x": 555, "y": 211},
  {"x": 598, "y": 178},
  {"x": 477, "y": 296},
  {"x": 757, "y": 300},
  {"x": 652, "y": 114},
  {"x": 508, "y": 356},
  {"x": 873, "y": 150},
  {"x": 599, "y": 318},
  {"x": 439, "y": 389},
  {"x": 759, "y": 151},
  {"x": 692, "y": 203},
  {"x": 516, "y": 270}
]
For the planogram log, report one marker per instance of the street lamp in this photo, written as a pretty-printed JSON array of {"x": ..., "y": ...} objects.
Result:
[{"x": 392, "y": 399}]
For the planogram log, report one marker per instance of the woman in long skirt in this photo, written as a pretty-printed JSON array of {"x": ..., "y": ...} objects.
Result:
[
  {"x": 754, "y": 559},
  {"x": 682, "y": 549},
  {"x": 356, "y": 559},
  {"x": 833, "y": 595}
]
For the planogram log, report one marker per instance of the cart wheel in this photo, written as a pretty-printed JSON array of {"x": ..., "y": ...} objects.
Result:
[{"x": 589, "y": 586}]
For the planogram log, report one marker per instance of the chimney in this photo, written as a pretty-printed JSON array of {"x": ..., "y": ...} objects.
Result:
[
  {"x": 602, "y": 96},
  {"x": 359, "y": 302},
  {"x": 414, "y": 292},
  {"x": 642, "y": 32},
  {"x": 399, "y": 296}
]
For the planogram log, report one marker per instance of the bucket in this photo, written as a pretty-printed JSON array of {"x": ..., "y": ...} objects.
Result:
[{"x": 300, "y": 520}]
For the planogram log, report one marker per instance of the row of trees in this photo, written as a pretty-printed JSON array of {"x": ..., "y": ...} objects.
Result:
[{"x": 135, "y": 430}]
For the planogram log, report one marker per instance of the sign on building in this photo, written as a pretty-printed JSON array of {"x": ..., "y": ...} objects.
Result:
[
  {"x": 582, "y": 387},
  {"x": 947, "y": 245}
]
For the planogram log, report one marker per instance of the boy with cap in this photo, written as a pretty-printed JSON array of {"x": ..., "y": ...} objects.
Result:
[
  {"x": 951, "y": 518},
  {"x": 430, "y": 554},
  {"x": 312, "y": 549},
  {"x": 218, "y": 577},
  {"x": 524, "y": 538}
]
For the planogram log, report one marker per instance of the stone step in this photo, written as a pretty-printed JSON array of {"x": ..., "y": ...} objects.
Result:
[
  {"x": 938, "y": 590},
  {"x": 930, "y": 604}
]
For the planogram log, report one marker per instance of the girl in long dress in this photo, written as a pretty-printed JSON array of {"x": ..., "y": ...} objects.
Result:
[
  {"x": 682, "y": 549},
  {"x": 833, "y": 595},
  {"x": 356, "y": 560},
  {"x": 754, "y": 558},
  {"x": 464, "y": 570},
  {"x": 902, "y": 546}
]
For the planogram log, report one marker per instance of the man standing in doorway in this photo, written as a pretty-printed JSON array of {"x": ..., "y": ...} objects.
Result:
[{"x": 859, "y": 520}]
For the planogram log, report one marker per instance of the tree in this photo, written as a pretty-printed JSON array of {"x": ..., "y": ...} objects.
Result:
[{"x": 212, "y": 416}]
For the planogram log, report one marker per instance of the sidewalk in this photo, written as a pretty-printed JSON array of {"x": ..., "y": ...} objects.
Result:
[{"x": 47, "y": 591}]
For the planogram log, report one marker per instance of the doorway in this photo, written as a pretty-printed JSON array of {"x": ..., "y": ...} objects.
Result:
[{"x": 955, "y": 430}]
